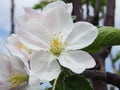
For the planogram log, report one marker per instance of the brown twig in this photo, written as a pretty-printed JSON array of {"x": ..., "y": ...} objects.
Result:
[
  {"x": 77, "y": 9},
  {"x": 12, "y": 16},
  {"x": 96, "y": 13},
  {"x": 110, "y": 14},
  {"x": 107, "y": 77}
]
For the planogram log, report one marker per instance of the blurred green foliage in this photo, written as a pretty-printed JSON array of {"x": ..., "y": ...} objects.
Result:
[
  {"x": 42, "y": 4},
  {"x": 91, "y": 2},
  {"x": 117, "y": 57}
]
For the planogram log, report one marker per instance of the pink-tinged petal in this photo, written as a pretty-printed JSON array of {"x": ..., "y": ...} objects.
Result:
[
  {"x": 32, "y": 13},
  {"x": 13, "y": 40},
  {"x": 45, "y": 66},
  {"x": 5, "y": 65},
  {"x": 31, "y": 41},
  {"x": 21, "y": 19},
  {"x": 60, "y": 4},
  {"x": 29, "y": 13},
  {"x": 10, "y": 64},
  {"x": 34, "y": 24},
  {"x": 13, "y": 44},
  {"x": 5, "y": 86},
  {"x": 1, "y": 83},
  {"x": 38, "y": 29},
  {"x": 60, "y": 21},
  {"x": 82, "y": 35},
  {"x": 77, "y": 61},
  {"x": 17, "y": 65},
  {"x": 5, "y": 69}
]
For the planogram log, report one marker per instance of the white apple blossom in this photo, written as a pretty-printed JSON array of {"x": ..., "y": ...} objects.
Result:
[
  {"x": 16, "y": 48},
  {"x": 58, "y": 40},
  {"x": 14, "y": 74}
]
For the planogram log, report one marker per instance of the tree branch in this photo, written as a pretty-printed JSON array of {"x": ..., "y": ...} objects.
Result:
[
  {"x": 77, "y": 9},
  {"x": 100, "y": 64},
  {"x": 95, "y": 19},
  {"x": 110, "y": 15},
  {"x": 12, "y": 16},
  {"x": 107, "y": 77}
]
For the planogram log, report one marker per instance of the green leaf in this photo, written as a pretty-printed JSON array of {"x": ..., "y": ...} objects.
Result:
[
  {"x": 108, "y": 36},
  {"x": 74, "y": 82},
  {"x": 102, "y": 3},
  {"x": 41, "y": 4},
  {"x": 66, "y": 1},
  {"x": 118, "y": 72},
  {"x": 77, "y": 82},
  {"x": 116, "y": 58},
  {"x": 74, "y": 17},
  {"x": 60, "y": 82}
]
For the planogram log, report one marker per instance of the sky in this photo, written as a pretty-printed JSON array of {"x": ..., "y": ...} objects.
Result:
[
  {"x": 5, "y": 17},
  {"x": 5, "y": 12}
]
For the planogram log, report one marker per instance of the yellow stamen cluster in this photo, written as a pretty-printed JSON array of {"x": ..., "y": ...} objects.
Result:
[
  {"x": 18, "y": 79},
  {"x": 22, "y": 47},
  {"x": 56, "y": 45}
]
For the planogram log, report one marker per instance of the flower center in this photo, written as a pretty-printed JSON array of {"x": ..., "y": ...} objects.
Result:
[
  {"x": 18, "y": 79},
  {"x": 56, "y": 44}
]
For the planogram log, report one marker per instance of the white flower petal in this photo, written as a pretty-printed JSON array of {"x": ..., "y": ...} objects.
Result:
[
  {"x": 34, "y": 82},
  {"x": 13, "y": 40},
  {"x": 17, "y": 65},
  {"x": 82, "y": 35},
  {"x": 29, "y": 13},
  {"x": 61, "y": 4},
  {"x": 12, "y": 45},
  {"x": 77, "y": 61},
  {"x": 70, "y": 7},
  {"x": 32, "y": 13},
  {"x": 21, "y": 19},
  {"x": 45, "y": 65},
  {"x": 31, "y": 41},
  {"x": 4, "y": 86},
  {"x": 60, "y": 21},
  {"x": 9, "y": 65},
  {"x": 37, "y": 28},
  {"x": 5, "y": 65}
]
